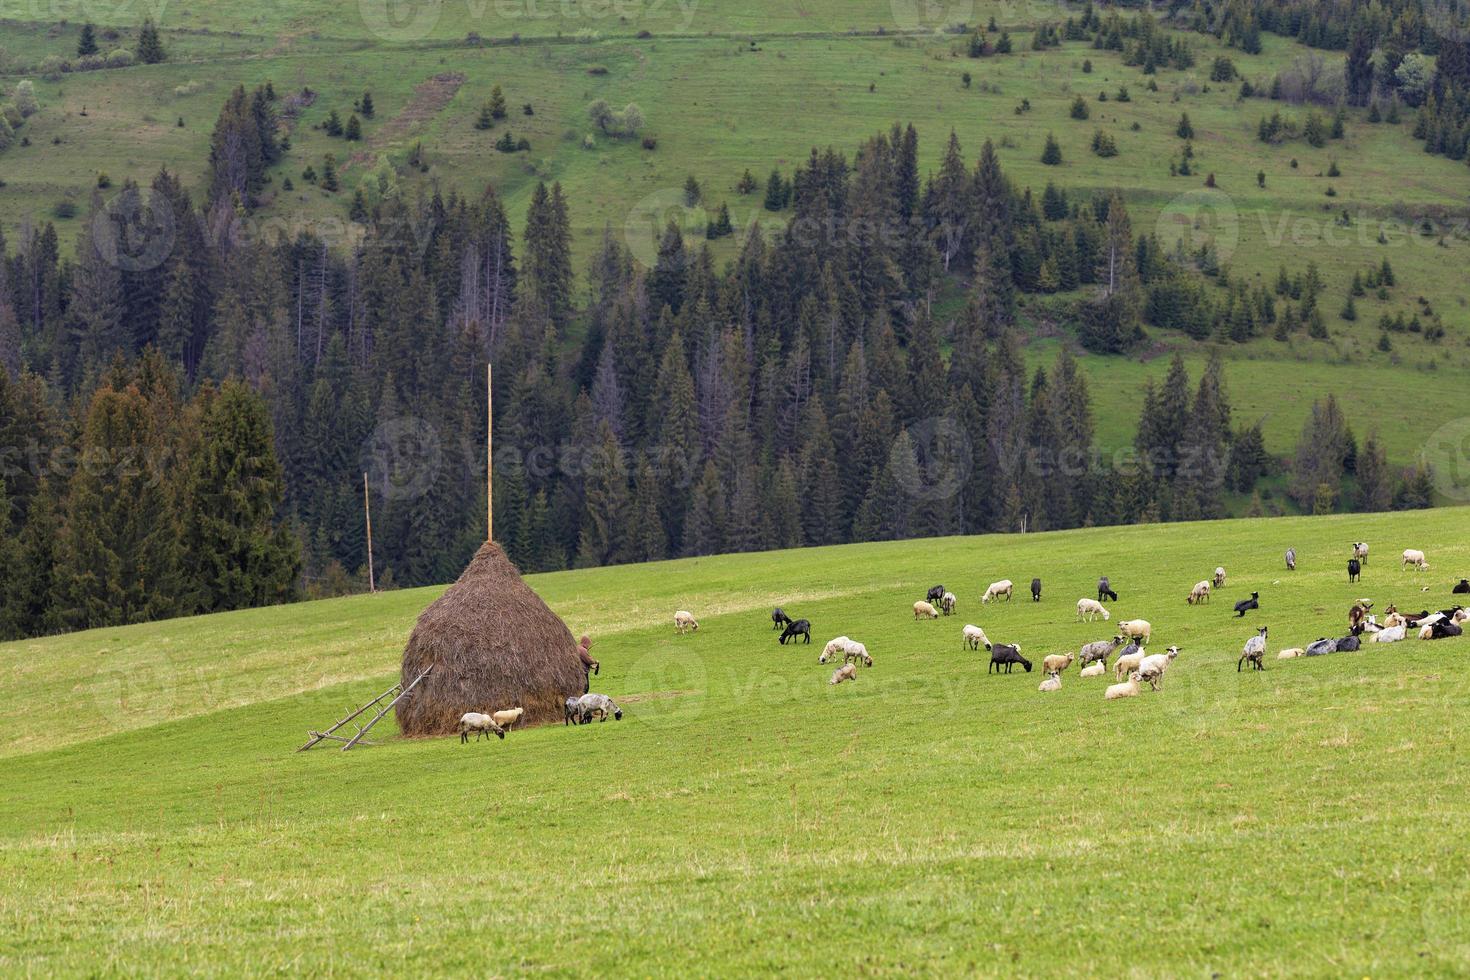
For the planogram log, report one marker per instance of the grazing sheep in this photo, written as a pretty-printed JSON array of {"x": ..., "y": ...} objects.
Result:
[
  {"x": 947, "y": 603},
  {"x": 1322, "y": 647},
  {"x": 1291, "y": 559},
  {"x": 572, "y": 712},
  {"x": 1415, "y": 557},
  {"x": 1090, "y": 609},
  {"x": 1290, "y": 652},
  {"x": 1105, "y": 590},
  {"x": 847, "y": 672},
  {"x": 598, "y": 704},
  {"x": 1129, "y": 660},
  {"x": 684, "y": 620},
  {"x": 1138, "y": 629},
  {"x": 800, "y": 627},
  {"x": 1200, "y": 593},
  {"x": 1093, "y": 670},
  {"x": 1128, "y": 689},
  {"x": 480, "y": 724},
  {"x": 935, "y": 593},
  {"x": 508, "y": 717},
  {"x": 1391, "y": 634},
  {"x": 1253, "y": 652},
  {"x": 1098, "y": 651},
  {"x": 856, "y": 652},
  {"x": 1036, "y": 590},
  {"x": 1246, "y": 605},
  {"x": 835, "y": 648},
  {"x": 1052, "y": 683},
  {"x": 1007, "y": 655},
  {"x": 997, "y": 589},
  {"x": 1056, "y": 663},
  {"x": 1355, "y": 570},
  {"x": 923, "y": 610},
  {"x": 779, "y": 619},
  {"x": 1219, "y": 576},
  {"x": 1360, "y": 551},
  {"x": 1152, "y": 667},
  {"x": 1462, "y": 589},
  {"x": 974, "y": 636}
]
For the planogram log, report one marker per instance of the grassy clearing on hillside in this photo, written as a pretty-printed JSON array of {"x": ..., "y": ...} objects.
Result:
[{"x": 1306, "y": 820}]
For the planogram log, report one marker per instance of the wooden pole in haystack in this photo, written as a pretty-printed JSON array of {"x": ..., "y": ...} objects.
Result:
[
  {"x": 368, "y": 513},
  {"x": 490, "y": 457}
]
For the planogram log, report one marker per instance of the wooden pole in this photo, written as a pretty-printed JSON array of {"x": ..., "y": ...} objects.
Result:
[
  {"x": 490, "y": 456},
  {"x": 367, "y": 511}
]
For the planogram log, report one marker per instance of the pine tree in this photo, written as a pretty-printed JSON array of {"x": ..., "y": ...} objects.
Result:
[
  {"x": 353, "y": 132},
  {"x": 1185, "y": 129},
  {"x": 497, "y": 103},
  {"x": 150, "y": 45},
  {"x": 366, "y": 105},
  {"x": 329, "y": 174},
  {"x": 1051, "y": 155},
  {"x": 605, "y": 515},
  {"x": 87, "y": 42}
]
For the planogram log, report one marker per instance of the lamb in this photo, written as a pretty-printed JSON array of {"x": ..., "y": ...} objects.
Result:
[
  {"x": 997, "y": 589},
  {"x": 1254, "y": 651},
  {"x": 1355, "y": 570},
  {"x": 835, "y": 647},
  {"x": 598, "y": 704},
  {"x": 1056, "y": 663},
  {"x": 1090, "y": 609},
  {"x": 507, "y": 718},
  {"x": 801, "y": 628},
  {"x": 1200, "y": 593},
  {"x": 1291, "y": 559},
  {"x": 779, "y": 619},
  {"x": 684, "y": 620},
  {"x": 1462, "y": 589},
  {"x": 1246, "y": 605},
  {"x": 480, "y": 724},
  {"x": 1138, "y": 629},
  {"x": 1036, "y": 590},
  {"x": 974, "y": 637},
  {"x": 1128, "y": 660},
  {"x": 856, "y": 652},
  {"x": 1391, "y": 634},
  {"x": 1098, "y": 651},
  {"x": 1152, "y": 667},
  {"x": 947, "y": 603},
  {"x": 1322, "y": 647},
  {"x": 923, "y": 610},
  {"x": 1219, "y": 576},
  {"x": 1360, "y": 551},
  {"x": 935, "y": 593},
  {"x": 1052, "y": 683},
  {"x": 1093, "y": 670},
  {"x": 1415, "y": 557},
  {"x": 1007, "y": 655},
  {"x": 1290, "y": 652},
  {"x": 847, "y": 672},
  {"x": 1129, "y": 689},
  {"x": 1105, "y": 590}
]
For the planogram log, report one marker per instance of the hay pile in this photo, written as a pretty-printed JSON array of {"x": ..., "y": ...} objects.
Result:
[{"x": 493, "y": 644}]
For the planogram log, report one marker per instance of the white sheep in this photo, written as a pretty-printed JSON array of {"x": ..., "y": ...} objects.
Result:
[
  {"x": 507, "y": 718},
  {"x": 1360, "y": 551},
  {"x": 856, "y": 652},
  {"x": 1152, "y": 667},
  {"x": 925, "y": 610},
  {"x": 480, "y": 724},
  {"x": 974, "y": 637},
  {"x": 847, "y": 672},
  {"x": 1140, "y": 629},
  {"x": 1094, "y": 669},
  {"x": 1089, "y": 609},
  {"x": 1415, "y": 557},
  {"x": 684, "y": 620},
  {"x": 835, "y": 647},
  {"x": 1200, "y": 593},
  {"x": 947, "y": 603},
  {"x": 1053, "y": 682},
  {"x": 1219, "y": 576},
  {"x": 1128, "y": 689},
  {"x": 1291, "y": 652},
  {"x": 1056, "y": 663},
  {"x": 997, "y": 589},
  {"x": 1391, "y": 634},
  {"x": 1127, "y": 664}
]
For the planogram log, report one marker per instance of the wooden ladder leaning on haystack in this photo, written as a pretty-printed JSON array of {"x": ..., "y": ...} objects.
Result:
[{"x": 397, "y": 692}]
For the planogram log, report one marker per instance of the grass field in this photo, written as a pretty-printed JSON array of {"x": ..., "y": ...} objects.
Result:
[{"x": 746, "y": 817}]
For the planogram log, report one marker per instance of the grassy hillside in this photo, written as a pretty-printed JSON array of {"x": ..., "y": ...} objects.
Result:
[{"x": 928, "y": 817}]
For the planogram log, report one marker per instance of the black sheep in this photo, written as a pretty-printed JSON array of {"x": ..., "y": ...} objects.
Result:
[
  {"x": 1355, "y": 569},
  {"x": 934, "y": 594},
  {"x": 1009, "y": 655},
  {"x": 798, "y": 628},
  {"x": 1246, "y": 605},
  {"x": 1036, "y": 590},
  {"x": 779, "y": 619}
]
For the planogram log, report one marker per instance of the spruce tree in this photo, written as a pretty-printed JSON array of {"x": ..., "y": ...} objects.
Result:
[
  {"x": 150, "y": 49},
  {"x": 87, "y": 41}
]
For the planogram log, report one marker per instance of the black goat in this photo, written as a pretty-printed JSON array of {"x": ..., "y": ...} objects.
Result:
[
  {"x": 1246, "y": 605},
  {"x": 1009, "y": 655},
  {"x": 1036, "y": 590},
  {"x": 1462, "y": 589},
  {"x": 798, "y": 628},
  {"x": 1349, "y": 644},
  {"x": 1105, "y": 590},
  {"x": 934, "y": 594},
  {"x": 1444, "y": 628},
  {"x": 1355, "y": 569},
  {"x": 779, "y": 619}
]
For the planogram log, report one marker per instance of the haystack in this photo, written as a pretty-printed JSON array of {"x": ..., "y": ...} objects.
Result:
[{"x": 493, "y": 644}]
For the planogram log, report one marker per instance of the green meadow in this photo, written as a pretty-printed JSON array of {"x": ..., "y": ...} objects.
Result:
[{"x": 745, "y": 817}]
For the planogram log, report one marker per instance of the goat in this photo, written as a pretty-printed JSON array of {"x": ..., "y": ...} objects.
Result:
[
  {"x": 1355, "y": 569},
  {"x": 1036, "y": 590},
  {"x": 1462, "y": 589},
  {"x": 800, "y": 628},
  {"x": 935, "y": 593},
  {"x": 1254, "y": 651},
  {"x": 779, "y": 619},
  {"x": 1007, "y": 655},
  {"x": 1105, "y": 588},
  {"x": 1246, "y": 605},
  {"x": 1291, "y": 559}
]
